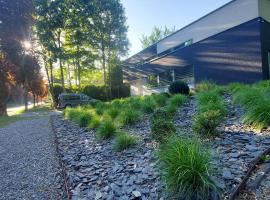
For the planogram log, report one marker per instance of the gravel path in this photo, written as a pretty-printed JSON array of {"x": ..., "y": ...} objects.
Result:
[{"x": 29, "y": 165}]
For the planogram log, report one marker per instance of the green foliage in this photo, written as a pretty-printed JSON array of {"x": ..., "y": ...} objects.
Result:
[
  {"x": 157, "y": 34},
  {"x": 186, "y": 168},
  {"x": 178, "y": 100},
  {"x": 171, "y": 109},
  {"x": 161, "y": 113},
  {"x": 205, "y": 85},
  {"x": 179, "y": 87},
  {"x": 211, "y": 111},
  {"x": 255, "y": 101},
  {"x": 206, "y": 123},
  {"x": 106, "y": 129},
  {"x": 148, "y": 105},
  {"x": 129, "y": 116},
  {"x": 124, "y": 141},
  {"x": 113, "y": 112},
  {"x": 162, "y": 129},
  {"x": 95, "y": 122},
  {"x": 160, "y": 99},
  {"x": 84, "y": 117}
]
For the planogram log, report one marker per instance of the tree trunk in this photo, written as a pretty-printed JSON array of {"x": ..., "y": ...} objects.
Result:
[
  {"x": 69, "y": 76},
  {"x": 3, "y": 108},
  {"x": 25, "y": 95},
  {"x": 60, "y": 60},
  {"x": 104, "y": 70},
  {"x": 34, "y": 100},
  {"x": 79, "y": 67}
]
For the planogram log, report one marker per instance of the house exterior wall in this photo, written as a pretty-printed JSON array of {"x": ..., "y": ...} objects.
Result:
[
  {"x": 231, "y": 56},
  {"x": 265, "y": 41},
  {"x": 228, "y": 16},
  {"x": 264, "y": 9}
]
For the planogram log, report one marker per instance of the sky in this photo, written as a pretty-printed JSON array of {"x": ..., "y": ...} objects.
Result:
[{"x": 143, "y": 15}]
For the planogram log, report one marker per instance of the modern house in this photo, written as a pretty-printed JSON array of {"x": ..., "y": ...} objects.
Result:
[{"x": 230, "y": 44}]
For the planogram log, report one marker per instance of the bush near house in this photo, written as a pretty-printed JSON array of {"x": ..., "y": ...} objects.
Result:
[
  {"x": 179, "y": 87},
  {"x": 186, "y": 168}
]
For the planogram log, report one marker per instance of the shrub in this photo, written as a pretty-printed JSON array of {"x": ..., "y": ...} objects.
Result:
[
  {"x": 95, "y": 122},
  {"x": 106, "y": 129},
  {"x": 258, "y": 115},
  {"x": 205, "y": 85},
  {"x": 161, "y": 113},
  {"x": 206, "y": 123},
  {"x": 160, "y": 99},
  {"x": 113, "y": 112},
  {"x": 148, "y": 105},
  {"x": 162, "y": 129},
  {"x": 129, "y": 116},
  {"x": 100, "y": 108},
  {"x": 171, "y": 109},
  {"x": 178, "y": 100},
  {"x": 234, "y": 87},
  {"x": 124, "y": 140},
  {"x": 179, "y": 87},
  {"x": 186, "y": 168},
  {"x": 84, "y": 118}
]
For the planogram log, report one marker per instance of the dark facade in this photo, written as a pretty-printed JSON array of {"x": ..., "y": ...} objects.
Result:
[{"x": 239, "y": 54}]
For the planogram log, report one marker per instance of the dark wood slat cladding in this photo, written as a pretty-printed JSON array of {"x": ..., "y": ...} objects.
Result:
[
  {"x": 265, "y": 39},
  {"x": 231, "y": 56}
]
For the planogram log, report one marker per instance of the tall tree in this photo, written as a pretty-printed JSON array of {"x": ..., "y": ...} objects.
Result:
[
  {"x": 15, "y": 25},
  {"x": 110, "y": 31},
  {"x": 157, "y": 34}
]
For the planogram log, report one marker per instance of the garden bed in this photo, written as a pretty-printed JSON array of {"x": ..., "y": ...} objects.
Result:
[{"x": 95, "y": 170}]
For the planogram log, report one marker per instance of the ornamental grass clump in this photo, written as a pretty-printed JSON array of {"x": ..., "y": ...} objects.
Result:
[
  {"x": 186, "y": 168},
  {"x": 113, "y": 112},
  {"x": 178, "y": 100},
  {"x": 84, "y": 117},
  {"x": 106, "y": 129},
  {"x": 162, "y": 129},
  {"x": 211, "y": 111},
  {"x": 148, "y": 105},
  {"x": 129, "y": 116},
  {"x": 124, "y": 141},
  {"x": 255, "y": 101},
  {"x": 160, "y": 99},
  {"x": 205, "y": 85}
]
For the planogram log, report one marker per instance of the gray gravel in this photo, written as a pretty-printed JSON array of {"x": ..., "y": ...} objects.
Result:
[{"x": 29, "y": 165}]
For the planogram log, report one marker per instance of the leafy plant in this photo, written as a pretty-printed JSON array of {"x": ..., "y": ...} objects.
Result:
[
  {"x": 124, "y": 140},
  {"x": 160, "y": 99},
  {"x": 186, "y": 168},
  {"x": 162, "y": 129},
  {"x": 106, "y": 129},
  {"x": 148, "y": 105},
  {"x": 179, "y": 87},
  {"x": 113, "y": 112}
]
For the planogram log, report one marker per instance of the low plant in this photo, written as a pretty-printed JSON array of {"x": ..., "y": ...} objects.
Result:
[
  {"x": 129, "y": 116},
  {"x": 84, "y": 117},
  {"x": 148, "y": 105},
  {"x": 124, "y": 141},
  {"x": 100, "y": 108},
  {"x": 95, "y": 122},
  {"x": 160, "y": 99},
  {"x": 205, "y": 85},
  {"x": 162, "y": 129},
  {"x": 206, "y": 123},
  {"x": 113, "y": 112},
  {"x": 161, "y": 113},
  {"x": 178, "y": 100},
  {"x": 171, "y": 109},
  {"x": 106, "y": 129},
  {"x": 179, "y": 87},
  {"x": 186, "y": 168}
]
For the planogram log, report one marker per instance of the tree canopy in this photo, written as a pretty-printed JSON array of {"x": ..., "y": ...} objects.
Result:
[{"x": 157, "y": 34}]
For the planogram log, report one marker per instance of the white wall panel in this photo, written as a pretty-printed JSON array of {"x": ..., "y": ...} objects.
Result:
[{"x": 233, "y": 14}]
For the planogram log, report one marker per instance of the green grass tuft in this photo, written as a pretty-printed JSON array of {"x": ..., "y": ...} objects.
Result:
[
  {"x": 162, "y": 129},
  {"x": 178, "y": 100},
  {"x": 205, "y": 85},
  {"x": 186, "y": 168},
  {"x": 129, "y": 116},
  {"x": 106, "y": 130},
  {"x": 124, "y": 141}
]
